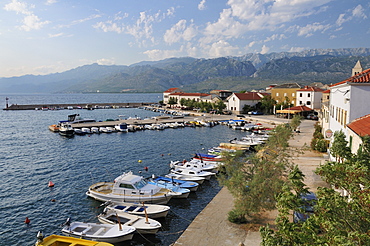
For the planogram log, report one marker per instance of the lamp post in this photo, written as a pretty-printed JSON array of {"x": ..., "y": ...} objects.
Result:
[{"x": 6, "y": 102}]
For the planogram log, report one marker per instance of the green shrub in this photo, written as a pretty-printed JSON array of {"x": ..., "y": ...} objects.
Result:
[
  {"x": 321, "y": 145},
  {"x": 237, "y": 217}
]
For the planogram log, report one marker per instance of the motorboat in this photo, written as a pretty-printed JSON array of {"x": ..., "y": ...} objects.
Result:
[
  {"x": 79, "y": 131},
  {"x": 193, "y": 172},
  {"x": 110, "y": 129},
  {"x": 58, "y": 240},
  {"x": 54, "y": 128},
  {"x": 199, "y": 180},
  {"x": 143, "y": 225},
  {"x": 122, "y": 127},
  {"x": 209, "y": 167},
  {"x": 130, "y": 188},
  {"x": 104, "y": 130},
  {"x": 95, "y": 130},
  {"x": 191, "y": 185},
  {"x": 66, "y": 129},
  {"x": 111, "y": 233},
  {"x": 183, "y": 192},
  {"x": 151, "y": 210},
  {"x": 86, "y": 130}
]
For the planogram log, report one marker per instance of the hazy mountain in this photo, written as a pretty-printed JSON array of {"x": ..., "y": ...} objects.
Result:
[{"x": 251, "y": 71}]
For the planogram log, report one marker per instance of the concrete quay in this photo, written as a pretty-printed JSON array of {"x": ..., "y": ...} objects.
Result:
[
  {"x": 211, "y": 226},
  {"x": 74, "y": 106}
]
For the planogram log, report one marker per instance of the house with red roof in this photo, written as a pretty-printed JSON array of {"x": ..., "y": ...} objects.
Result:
[
  {"x": 309, "y": 96},
  {"x": 356, "y": 129},
  {"x": 166, "y": 94},
  {"x": 349, "y": 101},
  {"x": 237, "y": 101}
]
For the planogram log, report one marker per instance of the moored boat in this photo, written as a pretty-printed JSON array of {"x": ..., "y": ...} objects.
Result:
[
  {"x": 199, "y": 180},
  {"x": 183, "y": 192},
  {"x": 191, "y": 185},
  {"x": 193, "y": 172},
  {"x": 57, "y": 240},
  {"x": 151, "y": 210},
  {"x": 130, "y": 188},
  {"x": 99, "y": 232},
  {"x": 54, "y": 128},
  {"x": 209, "y": 167},
  {"x": 143, "y": 225},
  {"x": 65, "y": 129}
]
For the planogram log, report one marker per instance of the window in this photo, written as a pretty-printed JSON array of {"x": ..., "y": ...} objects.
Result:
[
  {"x": 293, "y": 94},
  {"x": 308, "y": 95},
  {"x": 300, "y": 103},
  {"x": 308, "y": 103},
  {"x": 277, "y": 94},
  {"x": 285, "y": 94},
  {"x": 127, "y": 186},
  {"x": 300, "y": 94}
]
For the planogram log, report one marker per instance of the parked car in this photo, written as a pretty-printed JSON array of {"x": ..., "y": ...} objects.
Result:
[
  {"x": 240, "y": 115},
  {"x": 255, "y": 112},
  {"x": 312, "y": 117},
  {"x": 309, "y": 201}
]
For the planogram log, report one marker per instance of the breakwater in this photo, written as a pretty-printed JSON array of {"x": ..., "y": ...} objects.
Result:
[{"x": 75, "y": 106}]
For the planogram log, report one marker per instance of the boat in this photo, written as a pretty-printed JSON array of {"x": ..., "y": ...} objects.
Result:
[
  {"x": 54, "y": 128},
  {"x": 192, "y": 186},
  {"x": 98, "y": 232},
  {"x": 86, "y": 130},
  {"x": 151, "y": 210},
  {"x": 193, "y": 172},
  {"x": 110, "y": 129},
  {"x": 105, "y": 130},
  {"x": 58, "y": 240},
  {"x": 79, "y": 131},
  {"x": 184, "y": 193},
  {"x": 209, "y": 167},
  {"x": 95, "y": 130},
  {"x": 122, "y": 127},
  {"x": 130, "y": 188},
  {"x": 143, "y": 225},
  {"x": 65, "y": 129},
  {"x": 199, "y": 180}
]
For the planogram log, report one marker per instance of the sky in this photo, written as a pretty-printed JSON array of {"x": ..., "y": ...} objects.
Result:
[{"x": 49, "y": 36}]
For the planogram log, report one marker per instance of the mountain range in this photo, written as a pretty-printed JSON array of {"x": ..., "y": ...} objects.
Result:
[{"x": 251, "y": 71}]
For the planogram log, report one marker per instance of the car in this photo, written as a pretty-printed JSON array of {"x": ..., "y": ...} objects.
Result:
[
  {"x": 312, "y": 117},
  {"x": 240, "y": 115},
  {"x": 309, "y": 201},
  {"x": 255, "y": 113}
]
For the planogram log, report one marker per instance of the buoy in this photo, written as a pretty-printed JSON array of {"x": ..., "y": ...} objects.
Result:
[
  {"x": 53, "y": 200},
  {"x": 146, "y": 168},
  {"x": 27, "y": 220},
  {"x": 51, "y": 184},
  {"x": 169, "y": 153},
  {"x": 140, "y": 161}
]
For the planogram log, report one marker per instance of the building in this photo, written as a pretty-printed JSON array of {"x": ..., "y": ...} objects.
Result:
[
  {"x": 168, "y": 92},
  {"x": 310, "y": 97},
  {"x": 237, "y": 101},
  {"x": 356, "y": 129},
  {"x": 197, "y": 97},
  {"x": 223, "y": 94},
  {"x": 280, "y": 93}
]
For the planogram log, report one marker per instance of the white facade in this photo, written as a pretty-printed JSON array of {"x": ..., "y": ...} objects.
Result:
[
  {"x": 237, "y": 101},
  {"x": 309, "y": 98}
]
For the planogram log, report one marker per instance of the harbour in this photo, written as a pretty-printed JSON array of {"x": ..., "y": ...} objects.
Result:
[{"x": 33, "y": 156}]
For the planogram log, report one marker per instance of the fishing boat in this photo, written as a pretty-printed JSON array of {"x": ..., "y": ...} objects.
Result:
[
  {"x": 193, "y": 172},
  {"x": 151, "y": 210},
  {"x": 199, "y": 180},
  {"x": 209, "y": 167},
  {"x": 122, "y": 127},
  {"x": 143, "y": 225},
  {"x": 192, "y": 186},
  {"x": 57, "y": 240},
  {"x": 54, "y": 128},
  {"x": 99, "y": 232},
  {"x": 130, "y": 188},
  {"x": 65, "y": 129}
]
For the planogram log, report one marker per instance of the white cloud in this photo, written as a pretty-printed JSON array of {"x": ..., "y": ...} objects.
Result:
[
  {"x": 310, "y": 28},
  {"x": 157, "y": 54},
  {"x": 357, "y": 12},
  {"x": 56, "y": 35},
  {"x": 264, "y": 49},
  {"x": 275, "y": 37},
  {"x": 221, "y": 48},
  {"x": 108, "y": 26},
  {"x": 297, "y": 49},
  {"x": 19, "y": 7},
  {"x": 202, "y": 5},
  {"x": 32, "y": 22},
  {"x": 106, "y": 61},
  {"x": 50, "y": 2},
  {"x": 179, "y": 32}
]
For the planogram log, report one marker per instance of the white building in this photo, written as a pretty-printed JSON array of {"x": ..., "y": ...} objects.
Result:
[
  {"x": 310, "y": 97},
  {"x": 237, "y": 101},
  {"x": 167, "y": 93}
]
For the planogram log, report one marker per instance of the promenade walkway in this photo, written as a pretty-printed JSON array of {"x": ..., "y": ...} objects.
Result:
[{"x": 211, "y": 227}]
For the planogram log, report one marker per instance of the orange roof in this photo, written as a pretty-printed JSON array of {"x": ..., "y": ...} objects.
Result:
[
  {"x": 327, "y": 91},
  {"x": 363, "y": 77},
  {"x": 310, "y": 88},
  {"x": 190, "y": 94},
  {"x": 170, "y": 90},
  {"x": 361, "y": 126},
  {"x": 249, "y": 95},
  {"x": 299, "y": 108}
]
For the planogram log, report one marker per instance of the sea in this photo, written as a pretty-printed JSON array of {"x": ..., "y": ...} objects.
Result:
[{"x": 31, "y": 156}]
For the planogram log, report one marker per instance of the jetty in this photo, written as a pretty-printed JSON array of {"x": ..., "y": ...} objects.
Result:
[{"x": 89, "y": 106}]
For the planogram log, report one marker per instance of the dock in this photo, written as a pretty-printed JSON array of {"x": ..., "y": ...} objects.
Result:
[{"x": 76, "y": 106}]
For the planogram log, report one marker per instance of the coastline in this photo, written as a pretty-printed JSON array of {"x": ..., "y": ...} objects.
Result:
[{"x": 211, "y": 226}]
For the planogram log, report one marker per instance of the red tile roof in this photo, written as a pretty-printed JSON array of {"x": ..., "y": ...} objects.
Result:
[
  {"x": 327, "y": 91},
  {"x": 300, "y": 108},
  {"x": 249, "y": 95},
  {"x": 363, "y": 77},
  {"x": 361, "y": 126},
  {"x": 170, "y": 90},
  {"x": 310, "y": 88},
  {"x": 189, "y": 94}
]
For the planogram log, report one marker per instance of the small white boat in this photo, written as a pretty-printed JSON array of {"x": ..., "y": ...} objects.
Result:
[
  {"x": 193, "y": 172},
  {"x": 85, "y": 130},
  {"x": 95, "y": 130},
  {"x": 65, "y": 129},
  {"x": 104, "y": 130},
  {"x": 111, "y": 233},
  {"x": 130, "y": 188},
  {"x": 151, "y": 210},
  {"x": 209, "y": 167},
  {"x": 199, "y": 180},
  {"x": 183, "y": 192},
  {"x": 192, "y": 186},
  {"x": 122, "y": 127},
  {"x": 143, "y": 225},
  {"x": 110, "y": 129}
]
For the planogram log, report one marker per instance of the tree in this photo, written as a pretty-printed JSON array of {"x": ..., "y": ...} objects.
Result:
[
  {"x": 172, "y": 101},
  {"x": 339, "y": 148},
  {"x": 267, "y": 104}
]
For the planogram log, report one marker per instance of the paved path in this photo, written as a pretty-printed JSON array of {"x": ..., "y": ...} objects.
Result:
[{"x": 211, "y": 227}]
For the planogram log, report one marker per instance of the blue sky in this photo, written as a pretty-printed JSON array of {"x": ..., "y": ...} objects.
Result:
[{"x": 48, "y": 36}]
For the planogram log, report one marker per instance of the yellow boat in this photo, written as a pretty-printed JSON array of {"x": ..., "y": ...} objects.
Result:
[{"x": 57, "y": 240}]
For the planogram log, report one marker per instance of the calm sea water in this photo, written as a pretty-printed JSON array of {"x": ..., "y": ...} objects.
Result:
[{"x": 31, "y": 155}]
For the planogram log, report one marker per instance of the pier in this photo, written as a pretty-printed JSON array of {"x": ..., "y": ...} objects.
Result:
[{"x": 75, "y": 106}]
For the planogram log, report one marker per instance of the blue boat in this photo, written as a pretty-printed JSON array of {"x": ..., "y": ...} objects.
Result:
[
  {"x": 192, "y": 186},
  {"x": 183, "y": 192}
]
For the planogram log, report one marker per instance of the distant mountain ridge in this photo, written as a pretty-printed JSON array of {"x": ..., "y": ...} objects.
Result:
[{"x": 250, "y": 71}]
